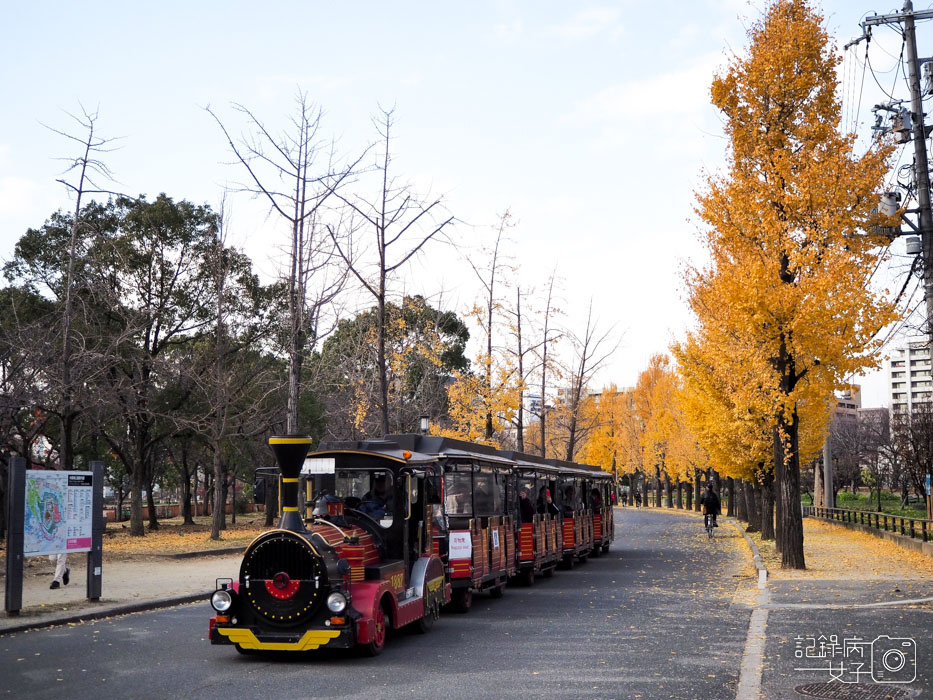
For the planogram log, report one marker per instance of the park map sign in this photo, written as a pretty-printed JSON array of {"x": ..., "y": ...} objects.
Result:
[{"x": 58, "y": 512}]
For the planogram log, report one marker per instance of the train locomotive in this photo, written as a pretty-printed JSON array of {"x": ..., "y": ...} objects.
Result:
[{"x": 392, "y": 530}]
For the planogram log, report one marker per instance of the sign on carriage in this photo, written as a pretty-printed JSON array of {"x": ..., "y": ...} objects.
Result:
[
  {"x": 58, "y": 512},
  {"x": 319, "y": 465},
  {"x": 461, "y": 544}
]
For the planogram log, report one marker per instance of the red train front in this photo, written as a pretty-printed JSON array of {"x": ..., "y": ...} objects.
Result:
[{"x": 364, "y": 566}]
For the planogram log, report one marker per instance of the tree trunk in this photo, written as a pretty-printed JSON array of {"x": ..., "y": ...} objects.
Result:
[
  {"x": 767, "y": 508},
  {"x": 730, "y": 485},
  {"x": 272, "y": 503},
  {"x": 689, "y": 494},
  {"x": 751, "y": 504},
  {"x": 696, "y": 489},
  {"x": 817, "y": 482},
  {"x": 741, "y": 505},
  {"x": 383, "y": 370},
  {"x": 657, "y": 490},
  {"x": 186, "y": 489},
  {"x": 218, "y": 522},
  {"x": 668, "y": 495},
  {"x": 791, "y": 519},
  {"x": 150, "y": 501},
  {"x": 120, "y": 496},
  {"x": 680, "y": 494}
]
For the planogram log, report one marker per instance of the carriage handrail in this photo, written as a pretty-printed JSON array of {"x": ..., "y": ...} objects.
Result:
[{"x": 917, "y": 528}]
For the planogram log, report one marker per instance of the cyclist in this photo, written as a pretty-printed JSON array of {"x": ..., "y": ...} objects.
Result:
[{"x": 711, "y": 506}]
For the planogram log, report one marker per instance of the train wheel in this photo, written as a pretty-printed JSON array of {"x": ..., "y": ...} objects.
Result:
[
  {"x": 497, "y": 591},
  {"x": 424, "y": 625},
  {"x": 245, "y": 652},
  {"x": 595, "y": 552},
  {"x": 380, "y": 631},
  {"x": 462, "y": 600},
  {"x": 568, "y": 561},
  {"x": 528, "y": 577}
]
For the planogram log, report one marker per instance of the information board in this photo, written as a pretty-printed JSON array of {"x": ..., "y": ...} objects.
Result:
[{"x": 59, "y": 512}]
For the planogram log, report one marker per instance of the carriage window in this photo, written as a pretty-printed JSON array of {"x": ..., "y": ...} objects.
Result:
[
  {"x": 369, "y": 491},
  {"x": 457, "y": 496},
  {"x": 498, "y": 493},
  {"x": 483, "y": 496}
]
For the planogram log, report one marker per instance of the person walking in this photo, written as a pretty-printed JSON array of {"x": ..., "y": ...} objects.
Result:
[{"x": 62, "y": 572}]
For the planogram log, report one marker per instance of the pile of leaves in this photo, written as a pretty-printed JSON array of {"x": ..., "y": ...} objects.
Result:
[{"x": 174, "y": 537}]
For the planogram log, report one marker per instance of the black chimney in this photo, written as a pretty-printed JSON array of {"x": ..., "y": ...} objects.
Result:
[{"x": 290, "y": 452}]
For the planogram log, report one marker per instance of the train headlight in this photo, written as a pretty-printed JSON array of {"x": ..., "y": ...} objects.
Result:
[
  {"x": 221, "y": 601},
  {"x": 336, "y": 602}
]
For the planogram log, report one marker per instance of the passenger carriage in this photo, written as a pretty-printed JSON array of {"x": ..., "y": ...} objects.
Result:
[
  {"x": 479, "y": 505},
  {"x": 540, "y": 541}
]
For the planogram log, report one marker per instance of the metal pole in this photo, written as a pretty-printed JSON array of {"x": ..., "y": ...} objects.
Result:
[
  {"x": 921, "y": 164},
  {"x": 16, "y": 524},
  {"x": 95, "y": 557}
]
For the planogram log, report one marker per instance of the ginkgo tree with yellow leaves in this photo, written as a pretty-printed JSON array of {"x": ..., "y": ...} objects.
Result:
[{"x": 786, "y": 293}]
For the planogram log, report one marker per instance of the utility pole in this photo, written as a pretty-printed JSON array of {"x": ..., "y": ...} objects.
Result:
[
  {"x": 918, "y": 132},
  {"x": 921, "y": 161}
]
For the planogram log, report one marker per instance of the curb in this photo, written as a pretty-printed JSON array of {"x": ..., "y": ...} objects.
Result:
[
  {"x": 756, "y": 555},
  {"x": 89, "y": 615},
  {"x": 203, "y": 553}
]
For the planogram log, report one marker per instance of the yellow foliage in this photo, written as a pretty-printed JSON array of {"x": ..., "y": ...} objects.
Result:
[{"x": 785, "y": 310}]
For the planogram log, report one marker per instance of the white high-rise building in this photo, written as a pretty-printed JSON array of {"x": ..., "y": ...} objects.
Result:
[{"x": 909, "y": 376}]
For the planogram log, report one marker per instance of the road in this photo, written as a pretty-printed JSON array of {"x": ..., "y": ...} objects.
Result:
[{"x": 665, "y": 615}]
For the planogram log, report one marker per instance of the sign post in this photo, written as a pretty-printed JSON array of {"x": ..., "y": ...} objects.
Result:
[
  {"x": 95, "y": 555},
  {"x": 16, "y": 485}
]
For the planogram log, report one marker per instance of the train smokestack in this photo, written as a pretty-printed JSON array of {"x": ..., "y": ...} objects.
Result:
[{"x": 290, "y": 452}]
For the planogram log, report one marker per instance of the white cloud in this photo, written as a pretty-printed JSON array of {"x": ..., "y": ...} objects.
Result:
[
  {"x": 588, "y": 23},
  {"x": 647, "y": 107}
]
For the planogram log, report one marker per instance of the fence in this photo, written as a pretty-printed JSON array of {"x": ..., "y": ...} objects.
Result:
[{"x": 916, "y": 528}]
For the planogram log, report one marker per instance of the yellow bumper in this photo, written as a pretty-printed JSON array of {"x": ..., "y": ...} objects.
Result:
[{"x": 312, "y": 639}]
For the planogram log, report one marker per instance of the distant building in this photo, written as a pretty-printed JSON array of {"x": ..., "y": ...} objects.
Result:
[
  {"x": 848, "y": 403},
  {"x": 909, "y": 376}
]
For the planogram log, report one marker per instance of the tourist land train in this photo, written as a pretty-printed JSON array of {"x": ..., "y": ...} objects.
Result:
[{"x": 382, "y": 534}]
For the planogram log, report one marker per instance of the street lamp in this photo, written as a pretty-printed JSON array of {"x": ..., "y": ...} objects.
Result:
[{"x": 424, "y": 424}]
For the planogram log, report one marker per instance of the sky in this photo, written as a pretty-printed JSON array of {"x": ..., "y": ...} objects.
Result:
[{"x": 589, "y": 122}]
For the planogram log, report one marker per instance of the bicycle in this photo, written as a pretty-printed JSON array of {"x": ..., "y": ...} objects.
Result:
[{"x": 710, "y": 523}]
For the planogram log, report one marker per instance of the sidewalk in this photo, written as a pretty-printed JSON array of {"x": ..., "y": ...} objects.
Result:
[{"x": 130, "y": 585}]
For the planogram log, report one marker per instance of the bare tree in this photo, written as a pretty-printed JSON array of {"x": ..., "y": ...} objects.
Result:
[
  {"x": 519, "y": 350},
  {"x": 87, "y": 167},
  {"x": 591, "y": 351},
  {"x": 396, "y": 217},
  {"x": 546, "y": 366},
  {"x": 271, "y": 160},
  {"x": 490, "y": 310}
]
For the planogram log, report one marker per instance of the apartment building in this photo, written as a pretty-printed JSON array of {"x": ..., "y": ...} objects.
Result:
[{"x": 909, "y": 376}]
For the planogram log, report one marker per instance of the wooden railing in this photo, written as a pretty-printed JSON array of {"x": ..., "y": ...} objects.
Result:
[{"x": 910, "y": 527}]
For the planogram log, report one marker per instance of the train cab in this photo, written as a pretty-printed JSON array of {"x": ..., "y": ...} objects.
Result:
[{"x": 359, "y": 563}]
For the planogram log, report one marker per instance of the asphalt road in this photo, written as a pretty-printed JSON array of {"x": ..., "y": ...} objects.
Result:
[{"x": 655, "y": 618}]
